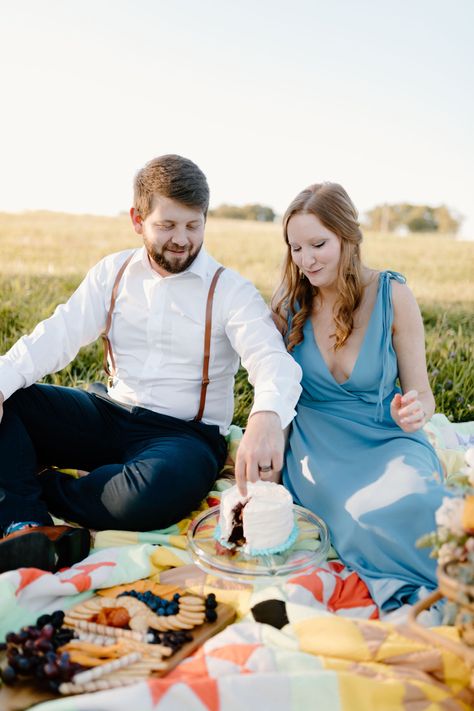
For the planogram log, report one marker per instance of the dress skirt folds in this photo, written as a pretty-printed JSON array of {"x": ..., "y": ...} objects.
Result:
[{"x": 376, "y": 486}]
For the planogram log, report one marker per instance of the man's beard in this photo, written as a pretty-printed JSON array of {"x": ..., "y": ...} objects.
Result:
[{"x": 172, "y": 266}]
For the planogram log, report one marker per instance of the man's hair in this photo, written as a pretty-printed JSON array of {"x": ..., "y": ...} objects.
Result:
[{"x": 171, "y": 176}]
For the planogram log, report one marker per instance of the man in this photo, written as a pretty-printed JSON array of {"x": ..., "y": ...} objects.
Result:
[{"x": 154, "y": 443}]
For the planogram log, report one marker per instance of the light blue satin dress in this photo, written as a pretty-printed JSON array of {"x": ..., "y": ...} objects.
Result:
[{"x": 376, "y": 486}]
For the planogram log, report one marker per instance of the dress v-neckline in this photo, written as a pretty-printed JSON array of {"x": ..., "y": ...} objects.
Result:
[{"x": 364, "y": 338}]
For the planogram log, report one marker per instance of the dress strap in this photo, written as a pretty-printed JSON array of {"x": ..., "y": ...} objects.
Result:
[{"x": 387, "y": 321}]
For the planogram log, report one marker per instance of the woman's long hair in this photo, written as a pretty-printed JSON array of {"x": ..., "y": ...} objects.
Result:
[{"x": 294, "y": 297}]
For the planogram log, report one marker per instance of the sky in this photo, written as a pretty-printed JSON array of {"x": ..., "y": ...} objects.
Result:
[{"x": 266, "y": 96}]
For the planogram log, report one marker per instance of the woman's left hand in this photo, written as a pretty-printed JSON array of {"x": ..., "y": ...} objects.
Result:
[{"x": 407, "y": 411}]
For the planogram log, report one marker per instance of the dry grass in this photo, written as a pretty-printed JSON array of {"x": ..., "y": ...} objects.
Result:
[{"x": 438, "y": 268}]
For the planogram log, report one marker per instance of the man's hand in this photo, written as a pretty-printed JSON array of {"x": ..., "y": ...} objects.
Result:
[
  {"x": 2, "y": 400},
  {"x": 260, "y": 453}
]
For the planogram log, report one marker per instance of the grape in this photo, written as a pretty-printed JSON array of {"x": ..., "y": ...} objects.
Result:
[
  {"x": 29, "y": 647},
  {"x": 23, "y": 664},
  {"x": 47, "y": 631},
  {"x": 8, "y": 675},
  {"x": 33, "y": 632},
  {"x": 31, "y": 652},
  {"x": 51, "y": 670},
  {"x": 23, "y": 635},
  {"x": 43, "y": 645},
  {"x": 12, "y": 638}
]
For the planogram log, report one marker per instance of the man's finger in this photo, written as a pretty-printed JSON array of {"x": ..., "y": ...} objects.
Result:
[
  {"x": 240, "y": 475},
  {"x": 252, "y": 471},
  {"x": 277, "y": 460}
]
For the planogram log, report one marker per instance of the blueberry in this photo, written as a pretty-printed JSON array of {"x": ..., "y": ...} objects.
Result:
[
  {"x": 43, "y": 620},
  {"x": 57, "y": 618}
]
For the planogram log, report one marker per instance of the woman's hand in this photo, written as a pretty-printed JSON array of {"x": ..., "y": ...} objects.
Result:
[{"x": 407, "y": 411}]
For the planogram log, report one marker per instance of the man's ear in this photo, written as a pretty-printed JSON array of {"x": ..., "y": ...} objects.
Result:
[{"x": 136, "y": 221}]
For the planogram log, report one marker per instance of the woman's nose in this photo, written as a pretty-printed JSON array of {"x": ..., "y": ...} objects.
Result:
[{"x": 307, "y": 260}]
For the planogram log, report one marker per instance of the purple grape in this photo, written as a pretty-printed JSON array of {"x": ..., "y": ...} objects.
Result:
[
  {"x": 47, "y": 631},
  {"x": 23, "y": 665},
  {"x": 43, "y": 645},
  {"x": 33, "y": 632},
  {"x": 8, "y": 675},
  {"x": 29, "y": 647},
  {"x": 51, "y": 670},
  {"x": 23, "y": 635}
]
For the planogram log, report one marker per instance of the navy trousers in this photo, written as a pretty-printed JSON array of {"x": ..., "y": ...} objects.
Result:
[{"x": 147, "y": 470}]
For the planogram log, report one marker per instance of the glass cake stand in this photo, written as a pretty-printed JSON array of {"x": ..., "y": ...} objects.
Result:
[{"x": 308, "y": 551}]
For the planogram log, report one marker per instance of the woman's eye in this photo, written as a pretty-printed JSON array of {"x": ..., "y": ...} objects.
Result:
[
  {"x": 295, "y": 249},
  {"x": 320, "y": 244}
]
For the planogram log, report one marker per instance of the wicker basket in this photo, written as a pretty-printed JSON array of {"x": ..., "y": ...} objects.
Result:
[{"x": 463, "y": 596}]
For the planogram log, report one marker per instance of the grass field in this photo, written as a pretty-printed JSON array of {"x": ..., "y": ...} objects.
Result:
[{"x": 43, "y": 256}]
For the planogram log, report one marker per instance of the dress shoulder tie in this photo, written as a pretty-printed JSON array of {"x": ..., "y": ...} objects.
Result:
[{"x": 387, "y": 320}]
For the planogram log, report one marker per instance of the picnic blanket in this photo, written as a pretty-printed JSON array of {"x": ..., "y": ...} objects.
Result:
[{"x": 314, "y": 640}]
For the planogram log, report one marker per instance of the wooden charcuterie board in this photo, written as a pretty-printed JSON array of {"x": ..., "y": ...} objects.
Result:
[{"x": 24, "y": 694}]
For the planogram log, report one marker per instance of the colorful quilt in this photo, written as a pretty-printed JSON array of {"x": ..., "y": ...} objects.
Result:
[{"x": 313, "y": 642}]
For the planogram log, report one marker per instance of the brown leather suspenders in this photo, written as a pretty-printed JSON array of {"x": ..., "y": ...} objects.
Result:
[
  {"x": 108, "y": 353},
  {"x": 207, "y": 344}
]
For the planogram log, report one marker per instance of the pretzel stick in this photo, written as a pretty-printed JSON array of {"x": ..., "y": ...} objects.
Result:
[
  {"x": 104, "y": 630},
  {"x": 99, "y": 685},
  {"x": 96, "y": 672}
]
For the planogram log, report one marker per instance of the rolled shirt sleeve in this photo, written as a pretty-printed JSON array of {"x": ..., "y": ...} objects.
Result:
[{"x": 274, "y": 374}]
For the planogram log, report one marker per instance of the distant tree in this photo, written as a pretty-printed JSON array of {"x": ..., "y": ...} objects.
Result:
[
  {"x": 415, "y": 218},
  {"x": 262, "y": 213}
]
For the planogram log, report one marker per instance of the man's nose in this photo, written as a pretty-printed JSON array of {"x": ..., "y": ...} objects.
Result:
[{"x": 179, "y": 237}]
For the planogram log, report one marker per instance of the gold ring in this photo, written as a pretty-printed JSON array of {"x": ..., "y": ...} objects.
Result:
[{"x": 268, "y": 468}]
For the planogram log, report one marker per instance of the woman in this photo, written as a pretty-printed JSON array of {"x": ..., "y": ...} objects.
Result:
[{"x": 356, "y": 454}]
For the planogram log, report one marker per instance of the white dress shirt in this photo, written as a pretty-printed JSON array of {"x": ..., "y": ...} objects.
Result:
[{"x": 157, "y": 338}]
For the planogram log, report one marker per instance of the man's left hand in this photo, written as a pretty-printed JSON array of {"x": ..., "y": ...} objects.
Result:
[{"x": 260, "y": 453}]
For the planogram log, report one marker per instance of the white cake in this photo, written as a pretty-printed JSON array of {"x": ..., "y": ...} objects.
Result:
[{"x": 261, "y": 522}]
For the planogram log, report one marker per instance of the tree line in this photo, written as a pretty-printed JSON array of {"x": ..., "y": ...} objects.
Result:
[
  {"x": 397, "y": 217},
  {"x": 405, "y": 217}
]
